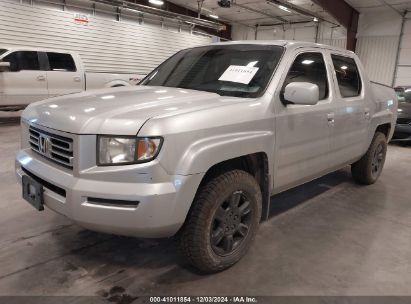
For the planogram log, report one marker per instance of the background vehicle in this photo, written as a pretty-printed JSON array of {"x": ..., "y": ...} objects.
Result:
[
  {"x": 28, "y": 75},
  {"x": 403, "y": 126},
  {"x": 199, "y": 147}
]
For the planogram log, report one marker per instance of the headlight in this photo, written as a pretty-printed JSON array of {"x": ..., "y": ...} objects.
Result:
[{"x": 127, "y": 150}]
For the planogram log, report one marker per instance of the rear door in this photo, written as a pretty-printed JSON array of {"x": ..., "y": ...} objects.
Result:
[
  {"x": 303, "y": 131},
  {"x": 352, "y": 110},
  {"x": 64, "y": 77},
  {"x": 25, "y": 81}
]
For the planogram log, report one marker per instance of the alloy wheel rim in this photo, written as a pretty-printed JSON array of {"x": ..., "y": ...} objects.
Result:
[
  {"x": 231, "y": 223},
  {"x": 377, "y": 160}
]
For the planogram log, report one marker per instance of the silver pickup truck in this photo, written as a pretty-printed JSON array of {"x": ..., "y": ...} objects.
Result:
[{"x": 199, "y": 147}]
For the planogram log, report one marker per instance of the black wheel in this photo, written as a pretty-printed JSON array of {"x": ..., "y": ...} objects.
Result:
[
  {"x": 368, "y": 169},
  {"x": 222, "y": 222}
]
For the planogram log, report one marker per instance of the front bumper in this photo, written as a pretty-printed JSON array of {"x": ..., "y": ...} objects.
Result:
[
  {"x": 159, "y": 208},
  {"x": 402, "y": 133}
]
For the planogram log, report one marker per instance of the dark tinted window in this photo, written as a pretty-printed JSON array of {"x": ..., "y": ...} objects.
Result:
[
  {"x": 241, "y": 70},
  {"x": 23, "y": 60},
  {"x": 348, "y": 77},
  {"x": 61, "y": 62},
  {"x": 309, "y": 67},
  {"x": 2, "y": 51}
]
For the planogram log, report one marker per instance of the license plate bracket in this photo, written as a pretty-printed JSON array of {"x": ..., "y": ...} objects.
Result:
[{"x": 33, "y": 192}]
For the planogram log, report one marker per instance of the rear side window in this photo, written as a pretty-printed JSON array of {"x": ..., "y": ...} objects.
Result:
[
  {"x": 309, "y": 67},
  {"x": 61, "y": 62},
  {"x": 23, "y": 60},
  {"x": 348, "y": 77}
]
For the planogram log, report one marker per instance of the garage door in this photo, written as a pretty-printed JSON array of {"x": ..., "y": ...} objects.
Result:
[{"x": 104, "y": 43}]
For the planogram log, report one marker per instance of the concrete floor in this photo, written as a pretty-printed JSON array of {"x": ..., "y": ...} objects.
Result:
[{"x": 328, "y": 237}]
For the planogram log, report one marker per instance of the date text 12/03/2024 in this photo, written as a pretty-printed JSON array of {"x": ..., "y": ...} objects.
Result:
[{"x": 206, "y": 299}]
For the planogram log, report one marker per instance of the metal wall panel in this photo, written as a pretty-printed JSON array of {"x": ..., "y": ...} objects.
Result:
[
  {"x": 325, "y": 35},
  {"x": 378, "y": 57},
  {"x": 104, "y": 44},
  {"x": 403, "y": 76},
  {"x": 341, "y": 43}
]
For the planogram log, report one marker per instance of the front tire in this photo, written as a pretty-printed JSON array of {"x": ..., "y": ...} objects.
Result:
[
  {"x": 368, "y": 169},
  {"x": 222, "y": 223}
]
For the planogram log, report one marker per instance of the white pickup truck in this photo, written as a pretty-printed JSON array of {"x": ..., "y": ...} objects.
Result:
[{"x": 28, "y": 75}]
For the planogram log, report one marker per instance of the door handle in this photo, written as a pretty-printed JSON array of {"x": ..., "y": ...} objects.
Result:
[
  {"x": 330, "y": 118},
  {"x": 367, "y": 114},
  {"x": 77, "y": 78},
  {"x": 41, "y": 78}
]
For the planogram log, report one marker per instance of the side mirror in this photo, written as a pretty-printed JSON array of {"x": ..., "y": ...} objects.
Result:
[
  {"x": 4, "y": 66},
  {"x": 303, "y": 93}
]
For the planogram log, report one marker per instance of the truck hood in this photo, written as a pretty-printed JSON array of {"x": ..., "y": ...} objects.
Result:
[{"x": 118, "y": 111}]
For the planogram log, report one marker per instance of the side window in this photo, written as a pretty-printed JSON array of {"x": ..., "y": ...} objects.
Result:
[
  {"x": 23, "y": 60},
  {"x": 61, "y": 62},
  {"x": 348, "y": 77},
  {"x": 309, "y": 67}
]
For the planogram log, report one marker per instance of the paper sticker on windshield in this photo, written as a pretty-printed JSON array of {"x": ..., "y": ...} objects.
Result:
[{"x": 239, "y": 73}]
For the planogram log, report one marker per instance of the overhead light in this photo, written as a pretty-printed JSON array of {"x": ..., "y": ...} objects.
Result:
[
  {"x": 213, "y": 16},
  {"x": 156, "y": 2},
  {"x": 315, "y": 19},
  {"x": 307, "y": 61},
  {"x": 284, "y": 8}
]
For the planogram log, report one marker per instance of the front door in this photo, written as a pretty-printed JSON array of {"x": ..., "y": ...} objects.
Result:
[
  {"x": 25, "y": 81},
  {"x": 303, "y": 131}
]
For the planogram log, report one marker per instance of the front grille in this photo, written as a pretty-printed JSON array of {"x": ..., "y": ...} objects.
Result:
[
  {"x": 403, "y": 121},
  {"x": 54, "y": 147}
]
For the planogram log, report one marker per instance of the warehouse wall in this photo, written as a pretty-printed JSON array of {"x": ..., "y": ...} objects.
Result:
[
  {"x": 403, "y": 73},
  {"x": 104, "y": 43},
  {"x": 377, "y": 43},
  {"x": 305, "y": 32},
  {"x": 378, "y": 55}
]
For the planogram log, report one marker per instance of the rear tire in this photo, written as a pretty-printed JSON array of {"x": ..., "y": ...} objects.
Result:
[
  {"x": 368, "y": 169},
  {"x": 222, "y": 223}
]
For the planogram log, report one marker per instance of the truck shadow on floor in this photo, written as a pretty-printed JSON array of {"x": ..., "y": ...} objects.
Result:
[
  {"x": 137, "y": 266},
  {"x": 294, "y": 197}
]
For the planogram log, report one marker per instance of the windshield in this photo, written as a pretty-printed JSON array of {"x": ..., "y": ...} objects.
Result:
[
  {"x": 2, "y": 51},
  {"x": 404, "y": 95},
  {"x": 231, "y": 70}
]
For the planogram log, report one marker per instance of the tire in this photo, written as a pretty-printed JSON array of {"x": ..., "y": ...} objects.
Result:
[
  {"x": 368, "y": 169},
  {"x": 214, "y": 215}
]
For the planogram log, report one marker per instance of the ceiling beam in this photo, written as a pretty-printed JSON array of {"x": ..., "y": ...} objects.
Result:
[
  {"x": 346, "y": 15},
  {"x": 299, "y": 10},
  {"x": 169, "y": 9},
  {"x": 250, "y": 9},
  {"x": 391, "y": 7}
]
